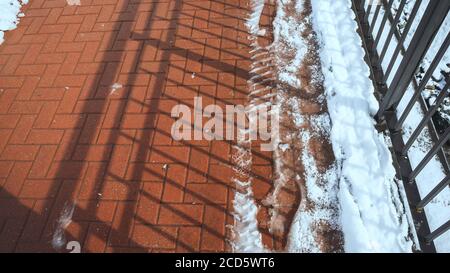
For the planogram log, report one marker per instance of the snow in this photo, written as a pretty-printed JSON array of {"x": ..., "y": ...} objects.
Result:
[
  {"x": 318, "y": 189},
  {"x": 252, "y": 23},
  {"x": 289, "y": 29},
  {"x": 246, "y": 236},
  {"x": 303, "y": 237},
  {"x": 64, "y": 220},
  {"x": 438, "y": 211},
  {"x": 372, "y": 215},
  {"x": 73, "y": 2},
  {"x": 10, "y": 15},
  {"x": 116, "y": 86}
]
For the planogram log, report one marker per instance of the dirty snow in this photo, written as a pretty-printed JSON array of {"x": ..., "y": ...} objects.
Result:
[
  {"x": 246, "y": 236},
  {"x": 291, "y": 50},
  {"x": 64, "y": 220},
  {"x": 10, "y": 15}
]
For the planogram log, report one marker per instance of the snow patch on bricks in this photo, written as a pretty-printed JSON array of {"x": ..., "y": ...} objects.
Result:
[
  {"x": 10, "y": 15},
  {"x": 116, "y": 86},
  {"x": 73, "y": 2},
  {"x": 373, "y": 216},
  {"x": 246, "y": 236},
  {"x": 64, "y": 220},
  {"x": 252, "y": 23},
  {"x": 317, "y": 214}
]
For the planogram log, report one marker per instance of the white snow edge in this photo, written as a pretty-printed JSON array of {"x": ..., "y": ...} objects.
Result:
[{"x": 10, "y": 15}]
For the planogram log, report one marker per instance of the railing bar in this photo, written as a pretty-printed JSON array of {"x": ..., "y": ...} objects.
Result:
[
  {"x": 392, "y": 30},
  {"x": 438, "y": 232},
  {"x": 427, "y": 29},
  {"x": 402, "y": 40},
  {"x": 374, "y": 19},
  {"x": 438, "y": 189},
  {"x": 430, "y": 155},
  {"x": 426, "y": 78},
  {"x": 369, "y": 9},
  {"x": 362, "y": 4},
  {"x": 425, "y": 119},
  {"x": 387, "y": 13}
]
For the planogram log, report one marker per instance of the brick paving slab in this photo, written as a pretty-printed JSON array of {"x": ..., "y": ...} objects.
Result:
[{"x": 85, "y": 99}]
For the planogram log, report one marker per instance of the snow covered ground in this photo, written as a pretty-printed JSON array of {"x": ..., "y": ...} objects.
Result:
[
  {"x": 10, "y": 15},
  {"x": 438, "y": 211},
  {"x": 371, "y": 212},
  {"x": 373, "y": 216},
  {"x": 245, "y": 232}
]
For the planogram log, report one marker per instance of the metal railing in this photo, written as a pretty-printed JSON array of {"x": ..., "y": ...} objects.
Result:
[{"x": 396, "y": 41}]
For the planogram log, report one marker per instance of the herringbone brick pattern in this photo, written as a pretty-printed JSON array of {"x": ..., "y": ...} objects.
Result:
[{"x": 86, "y": 94}]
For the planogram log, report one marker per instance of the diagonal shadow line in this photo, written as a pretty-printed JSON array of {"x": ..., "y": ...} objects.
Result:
[
  {"x": 151, "y": 117},
  {"x": 107, "y": 78},
  {"x": 172, "y": 182},
  {"x": 126, "y": 225},
  {"x": 224, "y": 15},
  {"x": 168, "y": 45},
  {"x": 91, "y": 134},
  {"x": 167, "y": 235},
  {"x": 184, "y": 216},
  {"x": 254, "y": 152},
  {"x": 226, "y": 50},
  {"x": 113, "y": 39},
  {"x": 262, "y": 80},
  {"x": 211, "y": 33},
  {"x": 192, "y": 89},
  {"x": 231, "y": 5},
  {"x": 199, "y": 75},
  {"x": 254, "y": 175}
]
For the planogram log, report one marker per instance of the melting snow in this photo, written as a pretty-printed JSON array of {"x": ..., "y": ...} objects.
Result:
[
  {"x": 115, "y": 87},
  {"x": 73, "y": 2},
  {"x": 10, "y": 15}
]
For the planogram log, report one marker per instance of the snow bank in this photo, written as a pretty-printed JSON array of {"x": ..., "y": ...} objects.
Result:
[
  {"x": 438, "y": 211},
  {"x": 10, "y": 15},
  {"x": 372, "y": 214}
]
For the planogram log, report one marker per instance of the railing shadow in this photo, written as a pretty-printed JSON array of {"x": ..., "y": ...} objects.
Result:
[{"x": 67, "y": 190}]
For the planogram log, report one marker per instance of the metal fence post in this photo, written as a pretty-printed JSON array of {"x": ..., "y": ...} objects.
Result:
[{"x": 429, "y": 26}]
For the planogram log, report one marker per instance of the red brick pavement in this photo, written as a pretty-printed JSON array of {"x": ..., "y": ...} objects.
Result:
[{"x": 66, "y": 138}]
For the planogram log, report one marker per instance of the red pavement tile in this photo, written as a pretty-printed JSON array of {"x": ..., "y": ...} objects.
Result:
[{"x": 66, "y": 139}]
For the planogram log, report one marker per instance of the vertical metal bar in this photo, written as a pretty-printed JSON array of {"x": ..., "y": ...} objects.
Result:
[
  {"x": 426, "y": 119},
  {"x": 363, "y": 2},
  {"x": 403, "y": 168},
  {"x": 387, "y": 13},
  {"x": 438, "y": 232},
  {"x": 430, "y": 155},
  {"x": 437, "y": 59},
  {"x": 429, "y": 26},
  {"x": 438, "y": 189},
  {"x": 402, "y": 40},
  {"x": 374, "y": 19},
  {"x": 392, "y": 29},
  {"x": 369, "y": 9}
]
